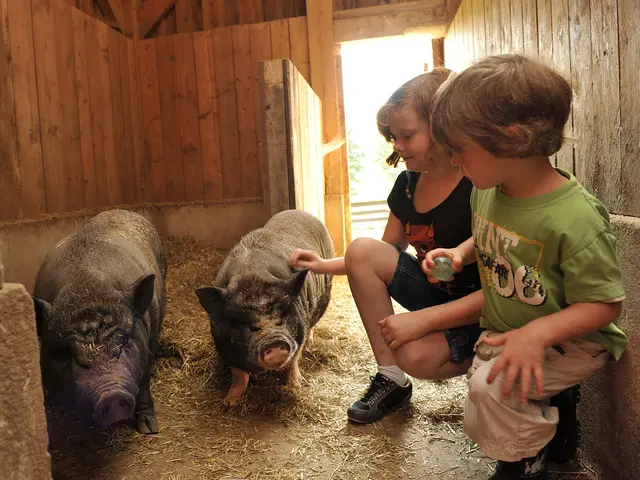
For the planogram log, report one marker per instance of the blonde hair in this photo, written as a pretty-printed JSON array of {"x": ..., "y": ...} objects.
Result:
[
  {"x": 418, "y": 93},
  {"x": 511, "y": 105}
]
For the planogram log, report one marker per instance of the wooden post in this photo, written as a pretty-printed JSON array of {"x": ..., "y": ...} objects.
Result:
[
  {"x": 324, "y": 82},
  {"x": 437, "y": 49}
]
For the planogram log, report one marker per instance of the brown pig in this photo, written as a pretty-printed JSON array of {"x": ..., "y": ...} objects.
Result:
[{"x": 262, "y": 311}]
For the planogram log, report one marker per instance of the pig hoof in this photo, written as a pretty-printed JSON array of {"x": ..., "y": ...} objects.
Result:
[
  {"x": 147, "y": 424},
  {"x": 232, "y": 402}
]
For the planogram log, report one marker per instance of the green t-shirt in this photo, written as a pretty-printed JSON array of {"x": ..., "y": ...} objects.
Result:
[{"x": 538, "y": 255}]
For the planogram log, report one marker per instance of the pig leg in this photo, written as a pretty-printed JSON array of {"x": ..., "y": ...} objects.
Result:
[
  {"x": 145, "y": 411},
  {"x": 310, "y": 337},
  {"x": 239, "y": 382}
]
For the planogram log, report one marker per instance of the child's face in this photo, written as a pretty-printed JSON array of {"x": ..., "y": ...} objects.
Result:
[
  {"x": 484, "y": 169},
  {"x": 412, "y": 138}
]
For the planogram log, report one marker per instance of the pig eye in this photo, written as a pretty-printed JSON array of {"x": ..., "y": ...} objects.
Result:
[{"x": 254, "y": 328}]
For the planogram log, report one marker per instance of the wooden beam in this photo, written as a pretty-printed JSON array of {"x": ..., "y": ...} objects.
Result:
[
  {"x": 424, "y": 16},
  {"x": 151, "y": 14},
  {"x": 437, "y": 49},
  {"x": 122, "y": 14}
]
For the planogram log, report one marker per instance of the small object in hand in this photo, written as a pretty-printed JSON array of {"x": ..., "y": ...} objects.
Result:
[{"x": 443, "y": 269}]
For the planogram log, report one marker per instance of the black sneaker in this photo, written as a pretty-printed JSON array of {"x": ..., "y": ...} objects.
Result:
[
  {"x": 383, "y": 396},
  {"x": 564, "y": 443},
  {"x": 534, "y": 468}
]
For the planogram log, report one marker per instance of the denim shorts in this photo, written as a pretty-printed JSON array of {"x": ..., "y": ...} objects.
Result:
[{"x": 411, "y": 289}]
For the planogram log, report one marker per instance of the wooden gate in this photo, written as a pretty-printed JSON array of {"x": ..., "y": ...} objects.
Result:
[{"x": 292, "y": 140}]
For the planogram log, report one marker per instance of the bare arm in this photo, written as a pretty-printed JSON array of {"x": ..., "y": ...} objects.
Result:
[{"x": 394, "y": 232}]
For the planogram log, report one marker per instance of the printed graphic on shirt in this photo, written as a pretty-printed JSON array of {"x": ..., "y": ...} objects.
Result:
[
  {"x": 508, "y": 262},
  {"x": 421, "y": 237}
]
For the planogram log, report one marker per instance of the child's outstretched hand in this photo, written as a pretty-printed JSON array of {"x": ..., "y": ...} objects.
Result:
[
  {"x": 456, "y": 256},
  {"x": 522, "y": 356},
  {"x": 306, "y": 259}
]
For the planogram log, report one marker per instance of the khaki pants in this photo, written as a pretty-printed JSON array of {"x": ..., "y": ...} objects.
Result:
[{"x": 506, "y": 429}]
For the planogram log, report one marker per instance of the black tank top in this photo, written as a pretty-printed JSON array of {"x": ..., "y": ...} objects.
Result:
[{"x": 445, "y": 226}]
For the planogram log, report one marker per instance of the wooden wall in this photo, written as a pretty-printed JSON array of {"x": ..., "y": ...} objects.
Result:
[
  {"x": 200, "y": 108},
  {"x": 69, "y": 100},
  {"x": 596, "y": 46},
  {"x": 93, "y": 119}
]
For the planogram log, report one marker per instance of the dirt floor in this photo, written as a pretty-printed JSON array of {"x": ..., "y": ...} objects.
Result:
[{"x": 278, "y": 432}]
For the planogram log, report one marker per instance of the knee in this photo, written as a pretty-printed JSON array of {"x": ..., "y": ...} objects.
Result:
[
  {"x": 359, "y": 252},
  {"x": 414, "y": 362},
  {"x": 479, "y": 390}
]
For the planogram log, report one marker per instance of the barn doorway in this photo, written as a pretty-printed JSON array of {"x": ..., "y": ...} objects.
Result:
[{"x": 372, "y": 70}]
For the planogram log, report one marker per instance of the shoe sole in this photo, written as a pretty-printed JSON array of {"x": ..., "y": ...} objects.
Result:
[{"x": 400, "y": 406}]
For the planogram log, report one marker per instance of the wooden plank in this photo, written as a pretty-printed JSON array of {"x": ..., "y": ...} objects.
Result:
[
  {"x": 226, "y": 94},
  {"x": 250, "y": 11},
  {"x": 505, "y": 26},
  {"x": 479, "y": 30},
  {"x": 136, "y": 121},
  {"x": 466, "y": 18},
  {"x": 545, "y": 31},
  {"x": 123, "y": 172},
  {"x": 530, "y": 27},
  {"x": 11, "y": 204},
  {"x": 171, "y": 129},
  {"x": 128, "y": 176},
  {"x": 338, "y": 5},
  {"x": 226, "y": 13},
  {"x": 88, "y": 7},
  {"x": 84, "y": 109},
  {"x": 187, "y": 16},
  {"x": 628, "y": 14},
  {"x": 208, "y": 116},
  {"x": 187, "y": 103},
  {"x": 44, "y": 28},
  {"x": 300, "y": 7},
  {"x": 209, "y": 11},
  {"x": 153, "y": 153},
  {"x": 299, "y": 42},
  {"x": 562, "y": 63},
  {"x": 95, "y": 81},
  {"x": 366, "y": 3},
  {"x": 244, "y": 84},
  {"x": 273, "y": 10},
  {"x": 606, "y": 178},
  {"x": 280, "y": 39},
  {"x": 517, "y": 28},
  {"x": 424, "y": 16},
  {"x": 68, "y": 108},
  {"x": 151, "y": 13},
  {"x": 437, "y": 52},
  {"x": 26, "y": 107},
  {"x": 260, "y": 50},
  {"x": 492, "y": 25},
  {"x": 171, "y": 22}
]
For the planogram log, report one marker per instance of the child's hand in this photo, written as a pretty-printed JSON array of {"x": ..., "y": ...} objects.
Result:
[
  {"x": 401, "y": 328},
  {"x": 454, "y": 254},
  {"x": 521, "y": 356},
  {"x": 306, "y": 259}
]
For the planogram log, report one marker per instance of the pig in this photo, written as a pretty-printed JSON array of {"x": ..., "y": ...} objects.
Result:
[
  {"x": 99, "y": 298},
  {"x": 261, "y": 311}
]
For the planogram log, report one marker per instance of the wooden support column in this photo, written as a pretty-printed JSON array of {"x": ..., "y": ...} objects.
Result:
[
  {"x": 437, "y": 51},
  {"x": 322, "y": 58}
]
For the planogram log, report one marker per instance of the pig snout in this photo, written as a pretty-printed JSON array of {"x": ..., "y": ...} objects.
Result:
[
  {"x": 275, "y": 354},
  {"x": 113, "y": 406}
]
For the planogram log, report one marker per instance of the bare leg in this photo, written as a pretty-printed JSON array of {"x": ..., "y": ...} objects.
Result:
[
  {"x": 429, "y": 358},
  {"x": 370, "y": 267},
  {"x": 239, "y": 382}
]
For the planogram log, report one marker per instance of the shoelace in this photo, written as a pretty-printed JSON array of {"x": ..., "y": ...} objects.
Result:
[{"x": 373, "y": 393}]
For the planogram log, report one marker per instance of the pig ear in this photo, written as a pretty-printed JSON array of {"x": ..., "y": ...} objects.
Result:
[
  {"x": 43, "y": 309},
  {"x": 211, "y": 298},
  {"x": 142, "y": 293},
  {"x": 295, "y": 282}
]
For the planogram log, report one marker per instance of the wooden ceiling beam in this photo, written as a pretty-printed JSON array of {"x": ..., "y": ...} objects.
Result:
[
  {"x": 151, "y": 14},
  {"x": 423, "y": 16}
]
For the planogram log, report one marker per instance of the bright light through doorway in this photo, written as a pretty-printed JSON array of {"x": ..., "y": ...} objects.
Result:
[{"x": 371, "y": 71}]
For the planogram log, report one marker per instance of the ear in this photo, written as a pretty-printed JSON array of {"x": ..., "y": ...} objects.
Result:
[
  {"x": 211, "y": 298},
  {"x": 43, "y": 310},
  {"x": 295, "y": 282},
  {"x": 143, "y": 290}
]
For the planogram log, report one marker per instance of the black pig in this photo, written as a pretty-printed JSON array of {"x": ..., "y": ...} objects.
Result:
[
  {"x": 261, "y": 311},
  {"x": 100, "y": 303}
]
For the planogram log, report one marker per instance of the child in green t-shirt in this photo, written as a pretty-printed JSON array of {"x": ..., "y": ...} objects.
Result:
[{"x": 546, "y": 255}]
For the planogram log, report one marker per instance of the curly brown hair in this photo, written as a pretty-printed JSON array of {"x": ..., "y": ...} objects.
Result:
[
  {"x": 417, "y": 93},
  {"x": 511, "y": 105}
]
